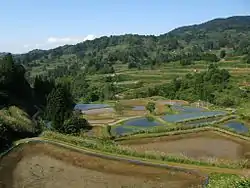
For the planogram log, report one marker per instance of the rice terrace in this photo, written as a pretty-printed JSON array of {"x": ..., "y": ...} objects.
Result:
[
  {"x": 170, "y": 149},
  {"x": 129, "y": 111}
]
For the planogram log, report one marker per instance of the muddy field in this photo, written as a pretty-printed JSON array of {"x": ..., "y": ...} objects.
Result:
[
  {"x": 48, "y": 166},
  {"x": 195, "y": 145}
]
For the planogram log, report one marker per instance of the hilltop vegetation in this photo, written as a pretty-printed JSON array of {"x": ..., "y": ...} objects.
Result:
[{"x": 189, "y": 42}]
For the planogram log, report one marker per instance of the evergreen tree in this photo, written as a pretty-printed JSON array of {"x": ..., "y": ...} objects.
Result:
[
  {"x": 59, "y": 106},
  {"x": 222, "y": 54}
]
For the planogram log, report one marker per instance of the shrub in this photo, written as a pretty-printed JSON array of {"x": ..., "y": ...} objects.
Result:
[
  {"x": 74, "y": 125},
  {"x": 150, "y": 107}
]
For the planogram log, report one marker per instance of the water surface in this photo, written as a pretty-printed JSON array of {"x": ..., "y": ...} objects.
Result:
[
  {"x": 237, "y": 126},
  {"x": 142, "y": 122},
  {"x": 139, "y": 108},
  {"x": 90, "y": 106},
  {"x": 186, "y": 116}
]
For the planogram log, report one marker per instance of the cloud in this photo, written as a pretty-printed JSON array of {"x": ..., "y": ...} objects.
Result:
[
  {"x": 70, "y": 40},
  {"x": 53, "y": 42}
]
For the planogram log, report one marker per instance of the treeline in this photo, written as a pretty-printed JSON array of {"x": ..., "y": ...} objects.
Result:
[
  {"x": 15, "y": 91},
  {"x": 53, "y": 98},
  {"x": 212, "y": 85},
  {"x": 194, "y": 41}
]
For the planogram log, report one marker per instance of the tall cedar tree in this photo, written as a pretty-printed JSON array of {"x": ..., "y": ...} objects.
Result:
[{"x": 59, "y": 106}]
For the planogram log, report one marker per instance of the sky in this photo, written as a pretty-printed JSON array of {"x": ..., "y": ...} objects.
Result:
[{"x": 45, "y": 24}]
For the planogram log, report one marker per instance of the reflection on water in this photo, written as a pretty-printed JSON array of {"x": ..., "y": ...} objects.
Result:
[
  {"x": 90, "y": 106},
  {"x": 237, "y": 126},
  {"x": 142, "y": 122},
  {"x": 186, "y": 116},
  {"x": 139, "y": 108}
]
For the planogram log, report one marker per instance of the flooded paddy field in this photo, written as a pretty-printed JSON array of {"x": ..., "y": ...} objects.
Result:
[
  {"x": 200, "y": 145},
  {"x": 45, "y": 165}
]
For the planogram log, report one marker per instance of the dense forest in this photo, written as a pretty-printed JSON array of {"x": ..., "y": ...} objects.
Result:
[
  {"x": 189, "y": 42},
  {"x": 19, "y": 102}
]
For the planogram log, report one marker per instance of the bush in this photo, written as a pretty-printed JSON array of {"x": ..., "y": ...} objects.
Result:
[
  {"x": 119, "y": 108},
  {"x": 244, "y": 183},
  {"x": 150, "y": 107},
  {"x": 74, "y": 125}
]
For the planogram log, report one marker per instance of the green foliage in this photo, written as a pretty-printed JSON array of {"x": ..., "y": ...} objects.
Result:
[
  {"x": 74, "y": 125},
  {"x": 150, "y": 107},
  {"x": 18, "y": 121},
  {"x": 247, "y": 58},
  {"x": 185, "y": 62},
  {"x": 119, "y": 107},
  {"x": 5, "y": 138},
  {"x": 222, "y": 54},
  {"x": 212, "y": 85},
  {"x": 188, "y": 42},
  {"x": 14, "y": 88},
  {"x": 59, "y": 106},
  {"x": 225, "y": 181},
  {"x": 244, "y": 183},
  {"x": 42, "y": 87}
]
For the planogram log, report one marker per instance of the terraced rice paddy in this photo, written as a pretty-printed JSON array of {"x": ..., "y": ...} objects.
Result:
[
  {"x": 139, "y": 108},
  {"x": 237, "y": 126},
  {"x": 187, "y": 109},
  {"x": 48, "y": 166},
  {"x": 189, "y": 116},
  {"x": 202, "y": 121},
  {"x": 84, "y": 107},
  {"x": 200, "y": 145},
  {"x": 135, "y": 124}
]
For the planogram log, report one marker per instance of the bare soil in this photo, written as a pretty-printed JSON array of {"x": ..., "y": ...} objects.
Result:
[
  {"x": 48, "y": 166},
  {"x": 200, "y": 145}
]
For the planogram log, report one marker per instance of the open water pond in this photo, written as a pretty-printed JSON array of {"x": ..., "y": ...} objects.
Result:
[
  {"x": 142, "y": 122},
  {"x": 237, "y": 126},
  {"x": 90, "y": 106},
  {"x": 139, "y": 108},
  {"x": 186, "y": 116}
]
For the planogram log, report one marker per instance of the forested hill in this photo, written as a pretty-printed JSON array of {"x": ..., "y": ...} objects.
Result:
[{"x": 189, "y": 41}]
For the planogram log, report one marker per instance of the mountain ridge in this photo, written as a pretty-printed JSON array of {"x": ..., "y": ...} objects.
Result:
[
  {"x": 232, "y": 33},
  {"x": 246, "y": 19}
]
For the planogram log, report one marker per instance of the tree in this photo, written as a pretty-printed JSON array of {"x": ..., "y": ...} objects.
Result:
[
  {"x": 119, "y": 108},
  {"x": 185, "y": 62},
  {"x": 42, "y": 87},
  {"x": 5, "y": 139},
  {"x": 150, "y": 107},
  {"x": 74, "y": 125},
  {"x": 222, "y": 54},
  {"x": 59, "y": 106},
  {"x": 247, "y": 59}
]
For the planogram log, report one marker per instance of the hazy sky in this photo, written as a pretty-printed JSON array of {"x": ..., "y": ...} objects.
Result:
[{"x": 44, "y": 24}]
